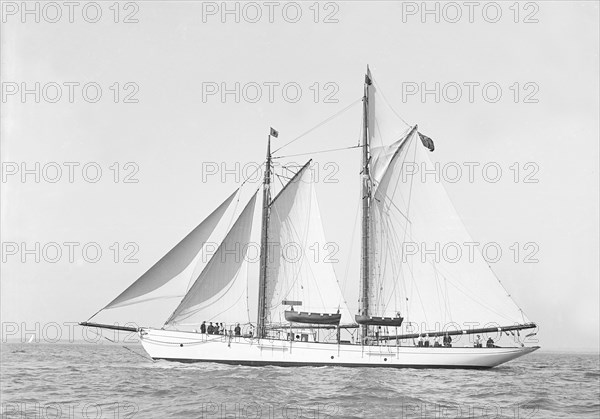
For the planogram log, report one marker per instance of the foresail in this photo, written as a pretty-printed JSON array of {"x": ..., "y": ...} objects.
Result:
[
  {"x": 172, "y": 273},
  {"x": 412, "y": 219},
  {"x": 299, "y": 268},
  {"x": 220, "y": 294}
]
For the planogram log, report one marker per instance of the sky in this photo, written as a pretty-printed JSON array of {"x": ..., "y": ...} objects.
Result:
[{"x": 158, "y": 142}]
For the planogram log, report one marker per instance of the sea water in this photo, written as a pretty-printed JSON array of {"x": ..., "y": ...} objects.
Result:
[{"x": 42, "y": 380}]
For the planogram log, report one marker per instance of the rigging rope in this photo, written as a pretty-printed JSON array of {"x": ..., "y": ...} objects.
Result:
[
  {"x": 318, "y": 152},
  {"x": 320, "y": 124},
  {"x": 259, "y": 167},
  {"x": 129, "y": 349},
  {"x": 379, "y": 90}
]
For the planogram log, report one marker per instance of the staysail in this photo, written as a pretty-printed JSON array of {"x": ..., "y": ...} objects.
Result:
[
  {"x": 176, "y": 267},
  {"x": 221, "y": 291},
  {"x": 299, "y": 266}
]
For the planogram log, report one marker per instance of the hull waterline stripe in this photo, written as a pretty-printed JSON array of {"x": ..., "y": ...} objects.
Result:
[{"x": 320, "y": 364}]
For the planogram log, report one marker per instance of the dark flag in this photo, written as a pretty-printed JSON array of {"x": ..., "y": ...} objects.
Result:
[
  {"x": 427, "y": 142},
  {"x": 368, "y": 78},
  {"x": 274, "y": 133}
]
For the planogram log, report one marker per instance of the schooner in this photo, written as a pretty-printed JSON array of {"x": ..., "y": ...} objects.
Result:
[{"x": 291, "y": 305}]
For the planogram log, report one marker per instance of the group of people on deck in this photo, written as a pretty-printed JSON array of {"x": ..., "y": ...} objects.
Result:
[
  {"x": 479, "y": 343},
  {"x": 219, "y": 329},
  {"x": 447, "y": 341},
  {"x": 424, "y": 341}
]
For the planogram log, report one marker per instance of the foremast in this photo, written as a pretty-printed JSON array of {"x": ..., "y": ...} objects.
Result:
[
  {"x": 366, "y": 202},
  {"x": 264, "y": 237}
]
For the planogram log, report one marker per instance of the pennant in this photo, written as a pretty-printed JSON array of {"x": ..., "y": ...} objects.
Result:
[
  {"x": 274, "y": 133},
  {"x": 427, "y": 142}
]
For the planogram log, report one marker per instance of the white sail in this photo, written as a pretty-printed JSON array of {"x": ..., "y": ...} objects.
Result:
[
  {"x": 299, "y": 267},
  {"x": 384, "y": 125},
  {"x": 178, "y": 262},
  {"x": 220, "y": 294},
  {"x": 412, "y": 219}
]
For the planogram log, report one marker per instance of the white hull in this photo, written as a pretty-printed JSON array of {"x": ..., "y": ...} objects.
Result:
[{"x": 195, "y": 347}]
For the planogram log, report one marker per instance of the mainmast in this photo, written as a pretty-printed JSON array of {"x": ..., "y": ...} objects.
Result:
[
  {"x": 366, "y": 202},
  {"x": 264, "y": 237}
]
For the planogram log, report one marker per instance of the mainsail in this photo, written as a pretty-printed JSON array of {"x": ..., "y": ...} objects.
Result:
[
  {"x": 221, "y": 291},
  {"x": 412, "y": 222},
  {"x": 415, "y": 247},
  {"x": 299, "y": 268}
]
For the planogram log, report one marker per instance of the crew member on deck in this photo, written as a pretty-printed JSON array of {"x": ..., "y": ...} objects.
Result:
[
  {"x": 420, "y": 343},
  {"x": 447, "y": 341},
  {"x": 210, "y": 329},
  {"x": 238, "y": 330},
  {"x": 478, "y": 342},
  {"x": 203, "y": 327},
  {"x": 490, "y": 343}
]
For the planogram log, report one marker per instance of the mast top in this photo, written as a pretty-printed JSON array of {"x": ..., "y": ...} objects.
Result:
[{"x": 368, "y": 78}]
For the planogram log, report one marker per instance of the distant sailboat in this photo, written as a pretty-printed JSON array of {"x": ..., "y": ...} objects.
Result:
[{"x": 295, "y": 303}]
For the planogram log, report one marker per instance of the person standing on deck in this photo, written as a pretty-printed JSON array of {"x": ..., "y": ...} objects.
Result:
[{"x": 447, "y": 341}]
